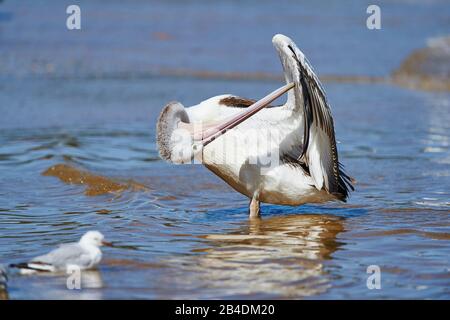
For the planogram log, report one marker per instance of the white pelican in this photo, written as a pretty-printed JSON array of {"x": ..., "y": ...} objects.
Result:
[{"x": 282, "y": 155}]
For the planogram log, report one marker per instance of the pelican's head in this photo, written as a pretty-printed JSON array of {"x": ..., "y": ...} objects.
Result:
[
  {"x": 291, "y": 58},
  {"x": 174, "y": 140},
  {"x": 94, "y": 238}
]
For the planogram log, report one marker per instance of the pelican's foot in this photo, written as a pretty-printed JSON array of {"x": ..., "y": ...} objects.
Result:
[{"x": 254, "y": 209}]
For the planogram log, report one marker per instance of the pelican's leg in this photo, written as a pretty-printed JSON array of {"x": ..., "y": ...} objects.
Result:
[{"x": 254, "y": 208}]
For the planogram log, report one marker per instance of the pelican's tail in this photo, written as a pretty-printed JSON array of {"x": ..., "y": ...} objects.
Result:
[{"x": 345, "y": 184}]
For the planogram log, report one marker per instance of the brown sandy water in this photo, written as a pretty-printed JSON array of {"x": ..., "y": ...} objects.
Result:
[{"x": 95, "y": 185}]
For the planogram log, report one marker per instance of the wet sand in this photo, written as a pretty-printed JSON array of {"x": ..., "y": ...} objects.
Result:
[
  {"x": 95, "y": 184},
  {"x": 427, "y": 68}
]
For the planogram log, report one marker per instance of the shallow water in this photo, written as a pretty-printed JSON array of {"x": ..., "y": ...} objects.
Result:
[{"x": 187, "y": 234}]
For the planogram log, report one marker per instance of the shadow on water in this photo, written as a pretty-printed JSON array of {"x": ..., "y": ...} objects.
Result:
[
  {"x": 342, "y": 211},
  {"x": 272, "y": 211}
]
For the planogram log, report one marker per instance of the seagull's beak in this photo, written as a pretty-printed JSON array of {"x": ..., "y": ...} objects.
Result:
[
  {"x": 212, "y": 133},
  {"x": 107, "y": 243}
]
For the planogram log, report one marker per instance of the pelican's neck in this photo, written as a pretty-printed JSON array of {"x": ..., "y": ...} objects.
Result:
[
  {"x": 290, "y": 101},
  {"x": 291, "y": 109}
]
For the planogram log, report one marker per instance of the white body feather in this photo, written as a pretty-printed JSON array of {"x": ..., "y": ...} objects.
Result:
[{"x": 270, "y": 129}]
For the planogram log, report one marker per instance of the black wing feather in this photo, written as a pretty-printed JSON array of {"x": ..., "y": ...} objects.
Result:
[{"x": 317, "y": 112}]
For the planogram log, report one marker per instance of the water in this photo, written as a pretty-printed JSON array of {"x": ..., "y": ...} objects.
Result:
[{"x": 187, "y": 234}]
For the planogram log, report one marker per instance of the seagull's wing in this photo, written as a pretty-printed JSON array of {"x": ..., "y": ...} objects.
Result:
[
  {"x": 317, "y": 154},
  {"x": 58, "y": 259},
  {"x": 67, "y": 254}
]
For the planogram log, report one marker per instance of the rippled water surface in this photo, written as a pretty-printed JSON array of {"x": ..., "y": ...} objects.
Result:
[{"x": 187, "y": 234}]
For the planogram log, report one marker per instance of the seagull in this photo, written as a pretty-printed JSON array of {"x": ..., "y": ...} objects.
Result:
[
  {"x": 84, "y": 254},
  {"x": 282, "y": 155}
]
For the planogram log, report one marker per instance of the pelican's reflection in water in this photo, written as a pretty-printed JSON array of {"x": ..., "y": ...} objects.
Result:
[{"x": 275, "y": 257}]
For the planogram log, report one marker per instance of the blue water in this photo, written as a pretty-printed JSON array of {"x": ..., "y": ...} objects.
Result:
[{"x": 91, "y": 98}]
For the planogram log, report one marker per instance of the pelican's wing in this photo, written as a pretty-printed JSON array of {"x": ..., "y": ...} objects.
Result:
[{"x": 318, "y": 151}]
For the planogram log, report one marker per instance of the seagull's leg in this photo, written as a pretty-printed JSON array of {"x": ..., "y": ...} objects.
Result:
[{"x": 254, "y": 208}]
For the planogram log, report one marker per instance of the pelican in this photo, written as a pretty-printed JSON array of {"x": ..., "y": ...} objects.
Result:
[{"x": 283, "y": 155}]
